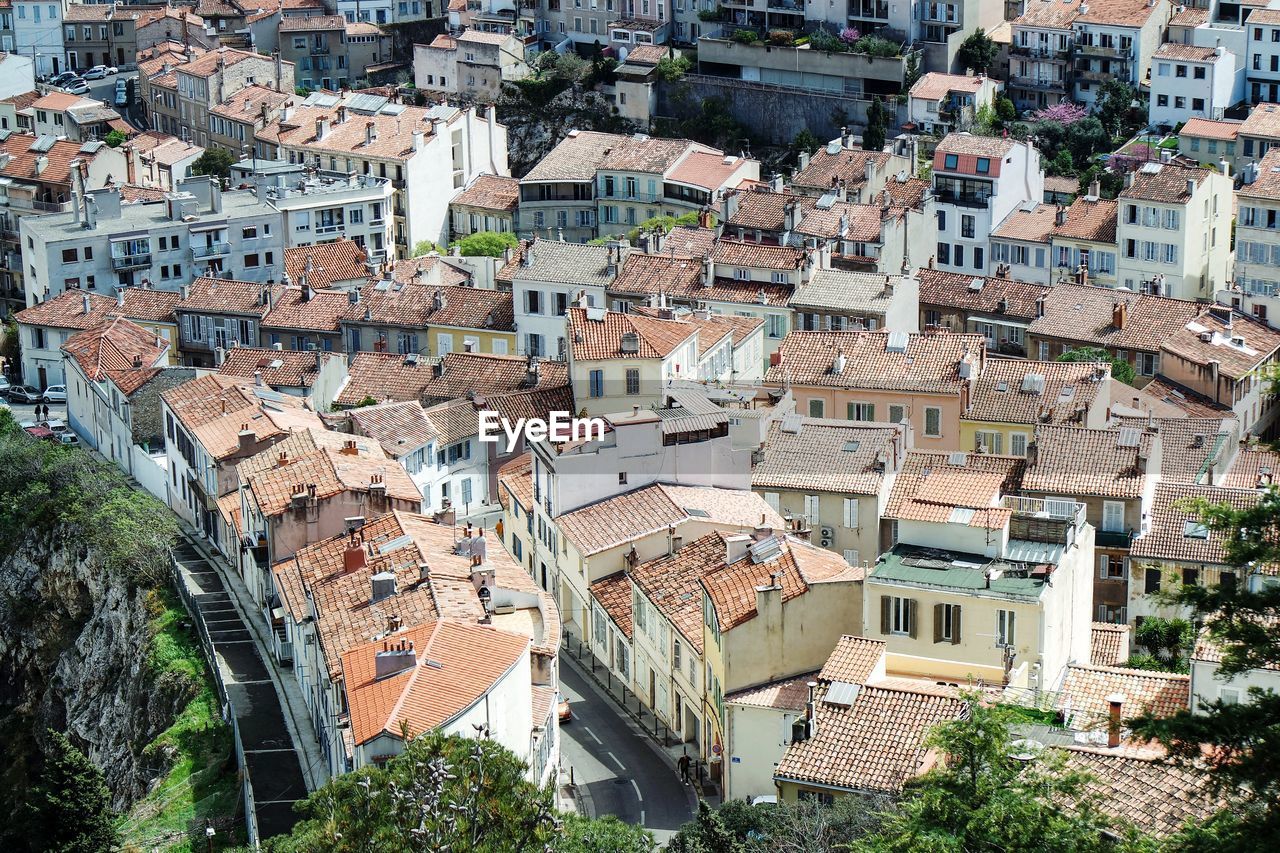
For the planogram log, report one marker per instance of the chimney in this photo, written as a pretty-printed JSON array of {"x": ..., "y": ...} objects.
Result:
[
  {"x": 84, "y": 301},
  {"x": 275, "y": 54},
  {"x": 370, "y": 132},
  {"x": 1040, "y": 306},
  {"x": 1060, "y": 216},
  {"x": 1114, "y": 703},
  {"x": 1191, "y": 185},
  {"x": 322, "y": 127},
  {"x": 353, "y": 556},
  {"x": 810, "y": 716},
  {"x": 120, "y": 297},
  {"x": 837, "y": 366},
  {"x": 394, "y": 659},
  {"x": 1095, "y": 190},
  {"x": 382, "y": 586},
  {"x": 736, "y": 547},
  {"x": 802, "y": 161},
  {"x": 418, "y": 136},
  {"x": 247, "y": 438},
  {"x": 1119, "y": 313},
  {"x": 349, "y": 448}
]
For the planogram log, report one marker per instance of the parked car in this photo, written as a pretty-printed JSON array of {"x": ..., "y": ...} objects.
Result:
[
  {"x": 64, "y": 77},
  {"x": 54, "y": 394},
  {"x": 4, "y": 386},
  {"x": 76, "y": 87},
  {"x": 57, "y": 425},
  {"x": 68, "y": 438},
  {"x": 122, "y": 94},
  {"x": 39, "y": 432},
  {"x": 99, "y": 72},
  {"x": 23, "y": 394},
  {"x": 564, "y": 711}
]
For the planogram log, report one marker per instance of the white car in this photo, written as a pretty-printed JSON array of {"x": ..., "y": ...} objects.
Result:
[
  {"x": 76, "y": 87},
  {"x": 99, "y": 72},
  {"x": 54, "y": 394}
]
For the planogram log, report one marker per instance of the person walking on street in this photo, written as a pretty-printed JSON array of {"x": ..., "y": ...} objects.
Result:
[{"x": 684, "y": 768}]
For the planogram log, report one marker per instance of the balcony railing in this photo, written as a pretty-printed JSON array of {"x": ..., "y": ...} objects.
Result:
[
  {"x": 1047, "y": 84},
  {"x": 1058, "y": 510},
  {"x": 320, "y": 51},
  {"x": 329, "y": 229},
  {"x": 1101, "y": 52},
  {"x": 787, "y": 5},
  {"x": 124, "y": 262},
  {"x": 212, "y": 250},
  {"x": 963, "y": 199},
  {"x": 51, "y": 206},
  {"x": 637, "y": 196},
  {"x": 1038, "y": 52}
]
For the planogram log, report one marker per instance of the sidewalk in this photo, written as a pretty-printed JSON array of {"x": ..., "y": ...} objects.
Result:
[
  {"x": 286, "y": 686},
  {"x": 668, "y": 747}
]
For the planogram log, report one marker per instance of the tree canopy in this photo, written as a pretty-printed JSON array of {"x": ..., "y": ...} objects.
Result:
[
  {"x": 1121, "y": 370},
  {"x": 69, "y": 808},
  {"x": 215, "y": 161},
  {"x": 877, "y": 121},
  {"x": 448, "y": 793},
  {"x": 978, "y": 51},
  {"x": 490, "y": 244}
]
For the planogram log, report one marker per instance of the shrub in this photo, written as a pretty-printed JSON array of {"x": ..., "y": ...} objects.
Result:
[
  {"x": 875, "y": 46},
  {"x": 745, "y": 36},
  {"x": 782, "y": 37}
]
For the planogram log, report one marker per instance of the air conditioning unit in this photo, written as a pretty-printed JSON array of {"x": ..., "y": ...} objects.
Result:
[
  {"x": 826, "y": 543},
  {"x": 828, "y": 533}
]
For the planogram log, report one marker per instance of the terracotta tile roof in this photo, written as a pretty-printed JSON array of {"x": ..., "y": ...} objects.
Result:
[
  {"x": 1005, "y": 296},
  {"x": 647, "y": 54},
  {"x": 401, "y": 428},
  {"x": 246, "y": 104},
  {"x": 1239, "y": 347},
  {"x": 113, "y": 348},
  {"x": 77, "y": 12},
  {"x": 712, "y": 328},
  {"x": 854, "y": 660},
  {"x": 1263, "y": 16},
  {"x": 668, "y": 274},
  {"x": 490, "y": 192},
  {"x": 824, "y": 455},
  {"x": 790, "y": 694},
  {"x": 853, "y": 222},
  {"x": 947, "y": 489},
  {"x": 1178, "y": 534},
  {"x": 1120, "y": 13},
  {"x": 613, "y": 593},
  {"x": 23, "y": 100},
  {"x": 846, "y": 165},
  {"x": 1252, "y": 468},
  {"x": 1061, "y": 184},
  {"x": 935, "y": 85},
  {"x": 1164, "y": 182},
  {"x": 1093, "y": 220},
  {"x": 1189, "y": 17},
  {"x": 1083, "y": 314},
  {"x": 208, "y": 63},
  {"x": 57, "y": 101},
  {"x": 1190, "y": 447},
  {"x": 455, "y": 664},
  {"x": 1083, "y": 698},
  {"x": 876, "y": 743},
  {"x": 135, "y": 193},
  {"x": 1047, "y": 14},
  {"x": 66, "y": 310},
  {"x": 388, "y": 376},
  {"x": 339, "y": 261},
  {"x": 393, "y": 134},
  {"x": 653, "y": 509},
  {"x": 932, "y": 477},
  {"x": 735, "y": 253},
  {"x": 600, "y": 339},
  {"x": 216, "y": 408},
  {"x": 417, "y": 305},
  {"x": 312, "y": 22},
  {"x": 796, "y": 568},
  {"x": 453, "y": 421},
  {"x": 673, "y": 583},
  {"x": 320, "y": 313},
  {"x": 979, "y": 146},
  {"x": 691, "y": 241},
  {"x": 1167, "y": 399},
  {"x": 537, "y": 403},
  {"x": 1033, "y": 225},
  {"x": 1158, "y": 797},
  {"x": 1267, "y": 183},
  {"x": 228, "y": 296},
  {"x": 575, "y": 158},
  {"x": 708, "y": 170},
  {"x": 1185, "y": 52},
  {"x": 1109, "y": 644},
  {"x": 330, "y": 473},
  {"x": 427, "y": 270},
  {"x": 289, "y": 368},
  {"x": 57, "y": 168},
  {"x": 764, "y": 210},
  {"x": 561, "y": 263},
  {"x": 1007, "y": 391},
  {"x": 1207, "y": 650},
  {"x": 517, "y": 477},
  {"x": 644, "y": 154},
  {"x": 908, "y": 193},
  {"x": 929, "y": 362},
  {"x": 303, "y": 443},
  {"x": 1112, "y": 471}
]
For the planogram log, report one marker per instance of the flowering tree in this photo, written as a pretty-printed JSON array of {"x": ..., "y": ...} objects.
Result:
[
  {"x": 849, "y": 35},
  {"x": 1063, "y": 112}
]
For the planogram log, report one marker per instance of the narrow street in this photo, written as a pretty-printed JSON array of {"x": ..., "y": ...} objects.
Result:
[{"x": 617, "y": 768}]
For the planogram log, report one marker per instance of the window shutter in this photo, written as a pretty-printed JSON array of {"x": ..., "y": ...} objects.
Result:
[
  {"x": 186, "y": 326},
  {"x": 773, "y": 500},
  {"x": 851, "y": 513},
  {"x": 955, "y": 624},
  {"x": 913, "y": 619},
  {"x": 885, "y": 604},
  {"x": 1102, "y": 566},
  {"x": 937, "y": 623}
]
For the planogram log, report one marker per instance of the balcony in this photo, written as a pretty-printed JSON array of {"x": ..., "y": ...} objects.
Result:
[
  {"x": 796, "y": 6},
  {"x": 963, "y": 199},
  {"x": 1109, "y": 539},
  {"x": 643, "y": 198},
  {"x": 51, "y": 206},
  {"x": 334, "y": 228},
  {"x": 1090, "y": 76},
  {"x": 128, "y": 262},
  {"x": 211, "y": 250},
  {"x": 320, "y": 50},
  {"x": 1039, "y": 52},
  {"x": 1045, "y": 508},
  {"x": 1100, "y": 52},
  {"x": 1041, "y": 84}
]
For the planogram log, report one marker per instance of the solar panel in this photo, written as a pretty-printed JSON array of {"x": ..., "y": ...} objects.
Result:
[
  {"x": 395, "y": 544},
  {"x": 1129, "y": 437},
  {"x": 897, "y": 342},
  {"x": 842, "y": 693},
  {"x": 365, "y": 103},
  {"x": 43, "y": 142}
]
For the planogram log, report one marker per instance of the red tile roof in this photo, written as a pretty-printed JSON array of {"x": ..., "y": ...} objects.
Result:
[
  {"x": 928, "y": 362},
  {"x": 115, "y": 347}
]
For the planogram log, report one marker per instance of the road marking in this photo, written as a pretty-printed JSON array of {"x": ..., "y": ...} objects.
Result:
[
  {"x": 593, "y": 735},
  {"x": 638, "y": 797},
  {"x": 617, "y": 762},
  {"x": 642, "y": 817}
]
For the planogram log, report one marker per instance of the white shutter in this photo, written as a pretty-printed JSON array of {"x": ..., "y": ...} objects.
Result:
[
  {"x": 851, "y": 513},
  {"x": 771, "y": 498},
  {"x": 1103, "y": 562},
  {"x": 186, "y": 327},
  {"x": 1113, "y": 516},
  {"x": 851, "y": 556},
  {"x": 811, "y": 509}
]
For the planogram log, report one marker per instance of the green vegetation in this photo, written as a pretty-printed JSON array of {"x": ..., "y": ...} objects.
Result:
[
  {"x": 69, "y": 809},
  {"x": 705, "y": 120},
  {"x": 877, "y": 121},
  {"x": 448, "y": 793},
  {"x": 489, "y": 244},
  {"x": 666, "y": 223},
  {"x": 1120, "y": 369},
  {"x": 367, "y": 400},
  {"x": 214, "y": 161},
  {"x": 745, "y": 36},
  {"x": 114, "y": 139},
  {"x": 11, "y": 347},
  {"x": 849, "y": 41},
  {"x": 978, "y": 52},
  {"x": 1166, "y": 645},
  {"x": 426, "y": 247},
  {"x": 1114, "y": 108},
  {"x": 673, "y": 68},
  {"x": 798, "y": 827}
]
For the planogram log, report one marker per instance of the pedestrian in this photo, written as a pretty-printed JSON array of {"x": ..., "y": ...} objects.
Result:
[{"x": 684, "y": 768}]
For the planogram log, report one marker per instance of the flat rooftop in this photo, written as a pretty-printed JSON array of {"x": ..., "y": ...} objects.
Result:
[{"x": 1022, "y": 573}]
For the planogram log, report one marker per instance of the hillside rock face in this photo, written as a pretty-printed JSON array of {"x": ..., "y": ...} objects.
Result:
[
  {"x": 531, "y": 133},
  {"x": 74, "y": 643}
]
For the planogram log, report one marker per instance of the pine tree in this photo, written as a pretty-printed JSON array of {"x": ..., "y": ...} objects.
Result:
[
  {"x": 69, "y": 810},
  {"x": 877, "y": 118}
]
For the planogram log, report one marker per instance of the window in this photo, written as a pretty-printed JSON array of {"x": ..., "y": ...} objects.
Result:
[
  {"x": 851, "y": 513},
  {"x": 1190, "y": 577},
  {"x": 861, "y": 412},
  {"x": 1151, "y": 581},
  {"x": 1110, "y": 567},
  {"x": 967, "y": 226},
  {"x": 1113, "y": 516},
  {"x": 986, "y": 441},
  {"x": 1018, "y": 443},
  {"x": 952, "y": 161},
  {"x": 633, "y": 381},
  {"x": 898, "y": 616},
  {"x": 946, "y": 623},
  {"x": 1004, "y": 628},
  {"x": 944, "y": 254},
  {"x": 69, "y": 256},
  {"x": 597, "y": 383},
  {"x": 984, "y": 165},
  {"x": 1229, "y": 696},
  {"x": 978, "y": 257},
  {"x": 896, "y": 414},
  {"x": 816, "y": 408},
  {"x": 1199, "y": 72},
  {"x": 932, "y": 422}
]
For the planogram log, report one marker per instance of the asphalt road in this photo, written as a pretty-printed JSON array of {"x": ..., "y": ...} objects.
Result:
[
  {"x": 23, "y": 412},
  {"x": 617, "y": 768}
]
